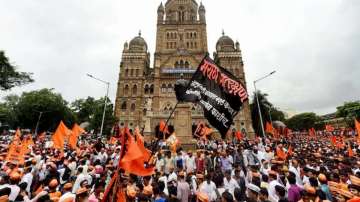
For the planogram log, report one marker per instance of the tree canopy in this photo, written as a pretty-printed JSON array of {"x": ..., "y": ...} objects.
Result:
[
  {"x": 303, "y": 121},
  {"x": 9, "y": 76}
]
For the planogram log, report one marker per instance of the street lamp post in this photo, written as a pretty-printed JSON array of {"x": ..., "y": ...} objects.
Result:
[
  {"x": 38, "y": 122},
  {"x": 105, "y": 102},
  {"x": 257, "y": 101}
]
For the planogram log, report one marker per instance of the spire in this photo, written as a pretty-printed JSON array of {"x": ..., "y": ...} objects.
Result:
[
  {"x": 223, "y": 32},
  {"x": 140, "y": 32},
  {"x": 161, "y": 7}
]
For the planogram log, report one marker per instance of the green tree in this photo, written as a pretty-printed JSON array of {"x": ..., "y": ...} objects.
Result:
[
  {"x": 265, "y": 106},
  {"x": 349, "y": 111},
  {"x": 91, "y": 110},
  {"x": 52, "y": 106},
  {"x": 277, "y": 115},
  {"x": 7, "y": 111},
  {"x": 302, "y": 121},
  {"x": 9, "y": 77}
]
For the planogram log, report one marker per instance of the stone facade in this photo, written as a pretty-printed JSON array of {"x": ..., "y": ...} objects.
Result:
[{"x": 145, "y": 95}]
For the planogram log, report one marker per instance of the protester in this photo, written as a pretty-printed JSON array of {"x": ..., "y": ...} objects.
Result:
[{"x": 218, "y": 170}]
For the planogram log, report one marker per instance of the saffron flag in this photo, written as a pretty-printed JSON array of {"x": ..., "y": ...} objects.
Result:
[
  {"x": 59, "y": 136},
  {"x": 329, "y": 128},
  {"x": 75, "y": 133},
  {"x": 163, "y": 128},
  {"x": 17, "y": 136},
  {"x": 16, "y": 154},
  {"x": 290, "y": 151},
  {"x": 140, "y": 144},
  {"x": 26, "y": 142},
  {"x": 220, "y": 94},
  {"x": 202, "y": 131},
  {"x": 134, "y": 159},
  {"x": 312, "y": 132},
  {"x": 350, "y": 152},
  {"x": 333, "y": 140},
  {"x": 357, "y": 127},
  {"x": 280, "y": 153},
  {"x": 239, "y": 135},
  {"x": 269, "y": 128}
]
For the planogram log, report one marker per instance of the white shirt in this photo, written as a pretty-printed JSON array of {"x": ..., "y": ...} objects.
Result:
[
  {"x": 15, "y": 190},
  {"x": 296, "y": 171},
  {"x": 66, "y": 196},
  {"x": 209, "y": 190},
  {"x": 28, "y": 178},
  {"x": 272, "y": 192},
  {"x": 230, "y": 185},
  {"x": 190, "y": 164}
]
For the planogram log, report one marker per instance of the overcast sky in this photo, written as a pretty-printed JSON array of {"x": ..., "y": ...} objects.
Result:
[{"x": 314, "y": 45}]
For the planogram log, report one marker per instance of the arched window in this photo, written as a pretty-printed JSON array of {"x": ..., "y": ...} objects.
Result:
[
  {"x": 123, "y": 106},
  {"x": 170, "y": 88},
  {"x": 132, "y": 108},
  {"x": 134, "y": 90},
  {"x": 168, "y": 35},
  {"x": 176, "y": 65},
  {"x": 147, "y": 89},
  {"x": 131, "y": 72},
  {"x": 181, "y": 63},
  {"x": 187, "y": 44},
  {"x": 191, "y": 35},
  {"x": 187, "y": 65},
  {"x": 126, "y": 72},
  {"x": 163, "y": 88},
  {"x": 126, "y": 90},
  {"x": 144, "y": 112},
  {"x": 195, "y": 44},
  {"x": 195, "y": 35},
  {"x": 152, "y": 89}
]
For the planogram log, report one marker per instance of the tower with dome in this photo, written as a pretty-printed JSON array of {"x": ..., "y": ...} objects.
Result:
[{"x": 145, "y": 92}]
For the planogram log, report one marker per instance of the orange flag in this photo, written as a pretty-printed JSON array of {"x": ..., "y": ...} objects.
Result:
[
  {"x": 27, "y": 141},
  {"x": 17, "y": 136},
  {"x": 357, "y": 127},
  {"x": 280, "y": 153},
  {"x": 239, "y": 135},
  {"x": 333, "y": 140},
  {"x": 350, "y": 151},
  {"x": 16, "y": 154},
  {"x": 140, "y": 144},
  {"x": 162, "y": 127},
  {"x": 329, "y": 128},
  {"x": 76, "y": 131},
  {"x": 59, "y": 136},
  {"x": 269, "y": 128},
  {"x": 133, "y": 161},
  {"x": 312, "y": 132}
]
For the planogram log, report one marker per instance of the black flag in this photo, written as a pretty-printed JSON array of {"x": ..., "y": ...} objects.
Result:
[{"x": 219, "y": 93}]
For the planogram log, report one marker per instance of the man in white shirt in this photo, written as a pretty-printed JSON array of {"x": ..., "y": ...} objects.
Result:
[
  {"x": 273, "y": 197},
  {"x": 190, "y": 164},
  {"x": 67, "y": 193},
  {"x": 28, "y": 178},
  {"x": 209, "y": 188},
  {"x": 294, "y": 168},
  {"x": 230, "y": 183}
]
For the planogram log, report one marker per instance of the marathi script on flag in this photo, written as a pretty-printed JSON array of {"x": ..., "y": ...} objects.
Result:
[{"x": 219, "y": 93}]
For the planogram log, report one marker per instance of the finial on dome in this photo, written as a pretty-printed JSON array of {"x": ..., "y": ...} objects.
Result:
[
  {"x": 139, "y": 32},
  {"x": 223, "y": 32}
]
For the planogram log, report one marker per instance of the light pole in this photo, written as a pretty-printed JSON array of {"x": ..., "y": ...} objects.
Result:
[
  {"x": 38, "y": 122},
  {"x": 257, "y": 100},
  {"x": 105, "y": 102}
]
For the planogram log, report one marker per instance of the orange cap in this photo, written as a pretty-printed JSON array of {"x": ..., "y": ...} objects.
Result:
[
  {"x": 202, "y": 197},
  {"x": 15, "y": 175},
  {"x": 322, "y": 177}
]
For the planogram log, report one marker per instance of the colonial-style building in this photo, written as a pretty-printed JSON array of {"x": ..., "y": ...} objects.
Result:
[{"x": 145, "y": 94}]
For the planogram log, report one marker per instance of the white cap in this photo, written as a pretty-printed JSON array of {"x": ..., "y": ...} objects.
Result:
[{"x": 253, "y": 187}]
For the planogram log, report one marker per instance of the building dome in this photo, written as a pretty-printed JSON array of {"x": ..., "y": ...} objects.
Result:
[
  {"x": 138, "y": 44},
  {"x": 201, "y": 7},
  {"x": 224, "y": 43}
]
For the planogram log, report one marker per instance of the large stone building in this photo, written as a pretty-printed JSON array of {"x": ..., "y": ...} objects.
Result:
[{"x": 145, "y": 95}]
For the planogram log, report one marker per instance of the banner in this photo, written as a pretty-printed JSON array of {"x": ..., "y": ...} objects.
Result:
[{"x": 219, "y": 93}]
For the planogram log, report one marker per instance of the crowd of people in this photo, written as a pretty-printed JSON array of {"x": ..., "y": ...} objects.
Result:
[{"x": 297, "y": 168}]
